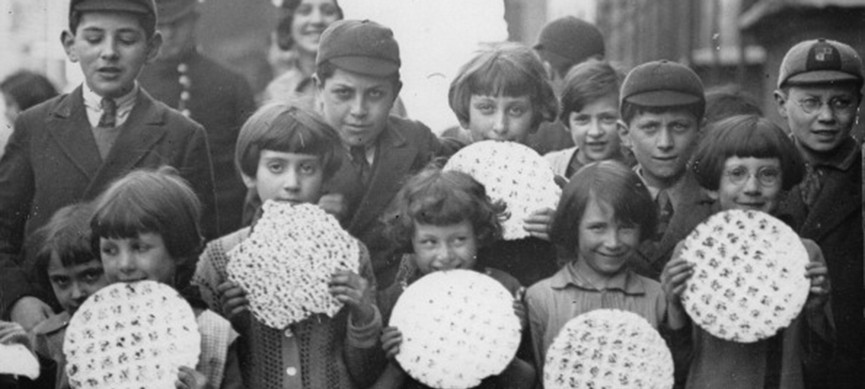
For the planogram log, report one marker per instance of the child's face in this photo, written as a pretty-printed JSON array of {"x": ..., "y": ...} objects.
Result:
[
  {"x": 144, "y": 257},
  {"x": 605, "y": 245},
  {"x": 310, "y": 19},
  {"x": 820, "y": 117},
  {"x": 662, "y": 144},
  {"x": 290, "y": 177},
  {"x": 594, "y": 129},
  {"x": 356, "y": 105},
  {"x": 749, "y": 183},
  {"x": 500, "y": 118},
  {"x": 73, "y": 284},
  {"x": 444, "y": 247},
  {"x": 111, "y": 48}
]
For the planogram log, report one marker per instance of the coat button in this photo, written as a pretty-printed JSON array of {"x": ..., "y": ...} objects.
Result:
[
  {"x": 288, "y": 334},
  {"x": 291, "y": 371}
]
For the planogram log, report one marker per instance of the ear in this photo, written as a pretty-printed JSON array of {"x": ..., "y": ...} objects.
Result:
[
  {"x": 713, "y": 194},
  {"x": 248, "y": 181},
  {"x": 67, "y": 39},
  {"x": 154, "y": 44},
  {"x": 781, "y": 102},
  {"x": 623, "y": 134}
]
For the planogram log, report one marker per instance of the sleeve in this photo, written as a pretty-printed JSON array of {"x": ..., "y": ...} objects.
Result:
[
  {"x": 16, "y": 196},
  {"x": 196, "y": 167},
  {"x": 207, "y": 277},
  {"x": 232, "y": 378},
  {"x": 364, "y": 356},
  {"x": 538, "y": 318},
  {"x": 818, "y": 336}
]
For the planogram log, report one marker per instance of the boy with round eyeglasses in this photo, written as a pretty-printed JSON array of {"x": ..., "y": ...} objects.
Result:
[{"x": 819, "y": 93}]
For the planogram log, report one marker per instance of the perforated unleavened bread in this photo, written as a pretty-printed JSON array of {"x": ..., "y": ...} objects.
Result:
[
  {"x": 17, "y": 360},
  {"x": 458, "y": 327},
  {"x": 512, "y": 172},
  {"x": 749, "y": 275},
  {"x": 608, "y": 349},
  {"x": 131, "y": 335},
  {"x": 287, "y": 261}
]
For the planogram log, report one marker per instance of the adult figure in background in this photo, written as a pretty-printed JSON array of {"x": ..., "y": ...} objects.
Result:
[
  {"x": 201, "y": 89},
  {"x": 562, "y": 44},
  {"x": 21, "y": 90}
]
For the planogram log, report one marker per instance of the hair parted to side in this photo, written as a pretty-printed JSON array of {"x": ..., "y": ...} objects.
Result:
[
  {"x": 285, "y": 128},
  {"x": 612, "y": 183},
  {"x": 745, "y": 136},
  {"x": 151, "y": 201},
  {"x": 588, "y": 82},
  {"x": 508, "y": 69},
  {"x": 66, "y": 236},
  {"x": 441, "y": 198}
]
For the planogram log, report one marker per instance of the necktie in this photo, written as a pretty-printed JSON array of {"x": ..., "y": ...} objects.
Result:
[
  {"x": 811, "y": 184},
  {"x": 109, "y": 113},
  {"x": 358, "y": 156},
  {"x": 665, "y": 213}
]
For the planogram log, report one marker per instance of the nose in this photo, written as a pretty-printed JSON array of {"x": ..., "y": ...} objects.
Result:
[
  {"x": 665, "y": 140},
  {"x": 500, "y": 123},
  {"x": 290, "y": 180},
  {"x": 826, "y": 113},
  {"x": 316, "y": 17},
  {"x": 612, "y": 239},
  {"x": 109, "y": 49},
  {"x": 358, "y": 106},
  {"x": 752, "y": 185},
  {"x": 595, "y": 130},
  {"x": 443, "y": 257},
  {"x": 77, "y": 291},
  {"x": 125, "y": 261}
]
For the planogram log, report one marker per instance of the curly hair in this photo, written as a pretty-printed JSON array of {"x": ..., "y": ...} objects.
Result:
[{"x": 442, "y": 198}]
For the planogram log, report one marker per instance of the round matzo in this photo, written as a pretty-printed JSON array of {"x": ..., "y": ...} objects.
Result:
[
  {"x": 458, "y": 327},
  {"x": 131, "y": 335},
  {"x": 608, "y": 349},
  {"x": 512, "y": 172},
  {"x": 749, "y": 275},
  {"x": 285, "y": 264}
]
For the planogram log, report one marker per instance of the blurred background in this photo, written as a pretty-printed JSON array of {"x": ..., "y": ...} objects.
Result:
[{"x": 725, "y": 41}]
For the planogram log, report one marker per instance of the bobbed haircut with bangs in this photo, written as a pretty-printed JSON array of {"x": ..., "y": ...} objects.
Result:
[
  {"x": 151, "y": 201},
  {"x": 745, "y": 136},
  {"x": 289, "y": 129},
  {"x": 442, "y": 198},
  {"x": 612, "y": 183},
  {"x": 504, "y": 69}
]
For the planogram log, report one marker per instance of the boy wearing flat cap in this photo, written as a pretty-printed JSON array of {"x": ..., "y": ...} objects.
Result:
[
  {"x": 357, "y": 78},
  {"x": 819, "y": 93},
  {"x": 662, "y": 106},
  {"x": 70, "y": 148}
]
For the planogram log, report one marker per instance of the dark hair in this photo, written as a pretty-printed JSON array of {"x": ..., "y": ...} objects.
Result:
[
  {"x": 745, "y": 136},
  {"x": 326, "y": 69},
  {"x": 729, "y": 100},
  {"x": 588, "y": 82},
  {"x": 439, "y": 197},
  {"x": 285, "y": 128},
  {"x": 630, "y": 110},
  {"x": 283, "y": 28},
  {"x": 27, "y": 88},
  {"x": 147, "y": 21},
  {"x": 66, "y": 235},
  {"x": 509, "y": 69},
  {"x": 612, "y": 183},
  {"x": 151, "y": 201}
]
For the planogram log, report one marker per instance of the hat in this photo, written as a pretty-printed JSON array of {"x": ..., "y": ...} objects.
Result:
[
  {"x": 364, "y": 47},
  {"x": 820, "y": 61},
  {"x": 172, "y": 10},
  {"x": 660, "y": 84},
  {"x": 568, "y": 41},
  {"x": 134, "y": 6}
]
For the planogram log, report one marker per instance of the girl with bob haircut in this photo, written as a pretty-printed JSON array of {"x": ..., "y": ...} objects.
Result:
[
  {"x": 440, "y": 220},
  {"x": 604, "y": 214},
  {"x": 504, "y": 70},
  {"x": 747, "y": 162}
]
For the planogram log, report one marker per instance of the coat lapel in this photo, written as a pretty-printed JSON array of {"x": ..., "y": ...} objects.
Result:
[
  {"x": 838, "y": 199},
  {"x": 68, "y": 125}
]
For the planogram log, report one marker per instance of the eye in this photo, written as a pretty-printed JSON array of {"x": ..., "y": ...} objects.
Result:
[
  {"x": 517, "y": 110},
  {"x": 60, "y": 281},
  {"x": 609, "y": 119},
  {"x": 343, "y": 93},
  {"x": 108, "y": 249},
  {"x": 737, "y": 174},
  {"x": 810, "y": 104},
  {"x": 92, "y": 276},
  {"x": 375, "y": 94},
  {"x": 485, "y": 108},
  {"x": 303, "y": 9},
  {"x": 329, "y": 10},
  {"x": 140, "y": 247},
  {"x": 275, "y": 167},
  {"x": 841, "y": 103},
  {"x": 128, "y": 38},
  {"x": 680, "y": 127},
  {"x": 308, "y": 168},
  {"x": 597, "y": 227},
  {"x": 582, "y": 119},
  {"x": 769, "y": 176}
]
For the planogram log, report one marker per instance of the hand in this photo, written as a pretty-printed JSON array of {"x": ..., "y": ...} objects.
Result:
[
  {"x": 560, "y": 181},
  {"x": 353, "y": 290},
  {"x": 232, "y": 299},
  {"x": 29, "y": 311},
  {"x": 819, "y": 292},
  {"x": 334, "y": 204},
  {"x": 190, "y": 379},
  {"x": 538, "y": 223},
  {"x": 520, "y": 308},
  {"x": 391, "y": 339},
  {"x": 12, "y": 332},
  {"x": 674, "y": 279}
]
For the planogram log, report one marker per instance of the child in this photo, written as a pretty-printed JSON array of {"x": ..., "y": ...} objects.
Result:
[
  {"x": 442, "y": 219},
  {"x": 74, "y": 272},
  {"x": 146, "y": 227},
  {"x": 100, "y": 131},
  {"x": 590, "y": 111},
  {"x": 603, "y": 215},
  {"x": 747, "y": 162},
  {"x": 503, "y": 94},
  {"x": 285, "y": 153}
]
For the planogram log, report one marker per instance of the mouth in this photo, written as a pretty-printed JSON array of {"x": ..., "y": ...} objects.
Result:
[
  {"x": 130, "y": 280},
  {"x": 666, "y": 159},
  {"x": 109, "y": 72},
  {"x": 825, "y": 133}
]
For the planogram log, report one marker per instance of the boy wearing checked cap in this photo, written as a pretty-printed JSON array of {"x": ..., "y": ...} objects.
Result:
[
  {"x": 71, "y": 147},
  {"x": 357, "y": 81},
  {"x": 819, "y": 93}
]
